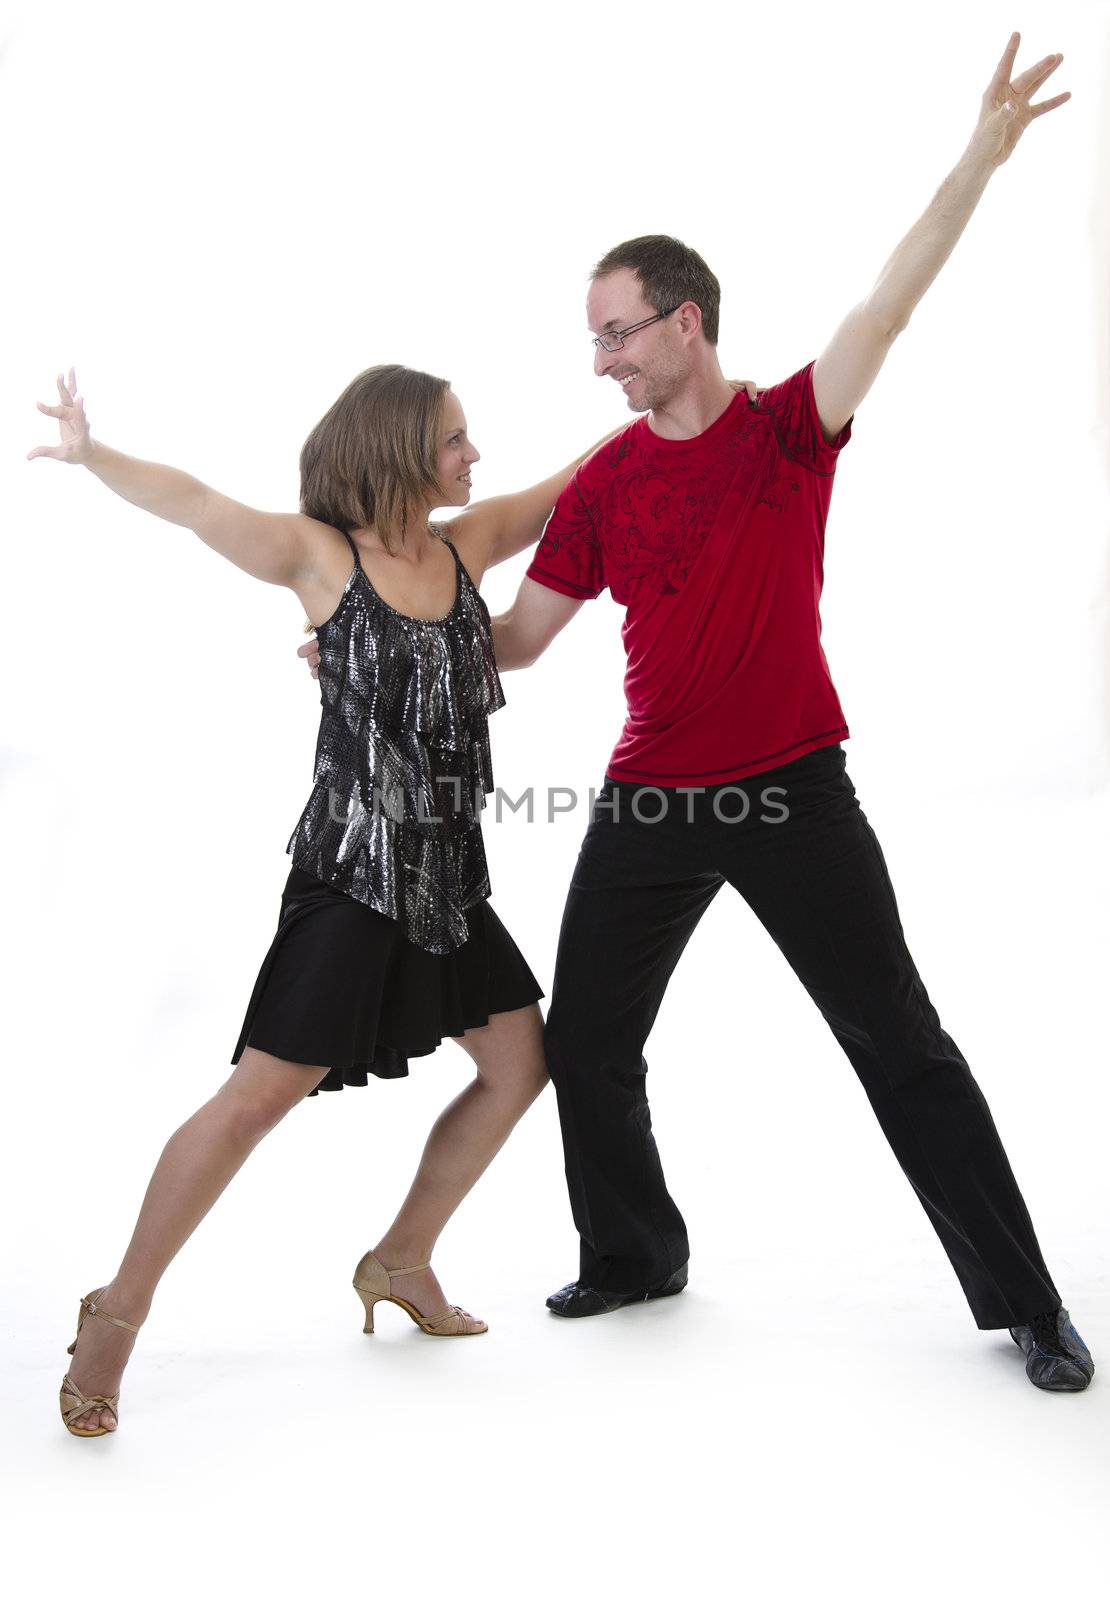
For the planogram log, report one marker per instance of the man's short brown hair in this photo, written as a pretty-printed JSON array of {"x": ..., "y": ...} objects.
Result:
[{"x": 669, "y": 273}]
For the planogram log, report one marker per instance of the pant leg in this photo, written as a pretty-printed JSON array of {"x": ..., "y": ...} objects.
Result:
[
  {"x": 633, "y": 904},
  {"x": 818, "y": 882}
]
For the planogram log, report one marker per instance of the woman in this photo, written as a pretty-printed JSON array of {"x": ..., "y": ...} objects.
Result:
[{"x": 386, "y": 941}]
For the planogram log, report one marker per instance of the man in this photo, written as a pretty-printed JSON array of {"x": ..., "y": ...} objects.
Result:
[{"x": 705, "y": 518}]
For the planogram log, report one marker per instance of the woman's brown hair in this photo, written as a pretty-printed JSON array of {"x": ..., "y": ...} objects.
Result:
[{"x": 371, "y": 458}]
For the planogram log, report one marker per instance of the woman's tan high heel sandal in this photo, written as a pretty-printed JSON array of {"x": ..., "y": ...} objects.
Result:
[
  {"x": 73, "y": 1403},
  {"x": 372, "y": 1283}
]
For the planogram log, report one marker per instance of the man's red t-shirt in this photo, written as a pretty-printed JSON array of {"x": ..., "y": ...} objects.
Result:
[{"x": 715, "y": 547}]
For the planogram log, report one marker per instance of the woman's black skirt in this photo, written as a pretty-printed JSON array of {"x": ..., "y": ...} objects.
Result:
[{"x": 341, "y": 987}]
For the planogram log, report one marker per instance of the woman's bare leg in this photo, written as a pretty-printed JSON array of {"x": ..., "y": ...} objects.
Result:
[
  {"x": 467, "y": 1134},
  {"x": 196, "y": 1166}
]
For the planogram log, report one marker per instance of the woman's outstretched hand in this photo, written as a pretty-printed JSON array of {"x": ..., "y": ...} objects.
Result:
[{"x": 76, "y": 446}]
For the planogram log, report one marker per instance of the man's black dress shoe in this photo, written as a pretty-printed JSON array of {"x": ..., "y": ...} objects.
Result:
[
  {"x": 579, "y": 1300},
  {"x": 1055, "y": 1355}
]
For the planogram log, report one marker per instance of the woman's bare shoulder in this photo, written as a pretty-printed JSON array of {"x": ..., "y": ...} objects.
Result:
[{"x": 469, "y": 532}]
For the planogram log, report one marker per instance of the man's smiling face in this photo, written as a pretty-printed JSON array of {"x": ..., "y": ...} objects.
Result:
[{"x": 655, "y": 361}]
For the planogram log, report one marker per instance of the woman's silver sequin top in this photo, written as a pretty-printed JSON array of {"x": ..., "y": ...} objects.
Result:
[{"x": 402, "y": 759}]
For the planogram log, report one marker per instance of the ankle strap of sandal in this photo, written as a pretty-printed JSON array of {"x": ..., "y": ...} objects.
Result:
[
  {"x": 94, "y": 1311},
  {"x": 397, "y": 1272}
]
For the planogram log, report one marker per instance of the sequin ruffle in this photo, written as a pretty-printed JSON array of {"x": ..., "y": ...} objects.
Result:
[{"x": 403, "y": 761}]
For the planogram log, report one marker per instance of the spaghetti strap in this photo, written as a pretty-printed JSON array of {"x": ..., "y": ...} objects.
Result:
[
  {"x": 353, "y": 545},
  {"x": 461, "y": 568},
  {"x": 442, "y": 532},
  {"x": 462, "y": 575}
]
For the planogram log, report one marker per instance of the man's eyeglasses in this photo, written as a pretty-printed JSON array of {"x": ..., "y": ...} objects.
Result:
[{"x": 615, "y": 340}]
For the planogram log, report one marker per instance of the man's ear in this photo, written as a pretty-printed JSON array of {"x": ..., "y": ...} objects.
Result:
[{"x": 688, "y": 317}]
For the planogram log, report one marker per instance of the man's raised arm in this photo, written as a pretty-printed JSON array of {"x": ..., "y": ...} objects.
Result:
[{"x": 850, "y": 363}]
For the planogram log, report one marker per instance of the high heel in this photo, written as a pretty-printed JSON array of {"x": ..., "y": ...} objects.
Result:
[
  {"x": 70, "y": 1398},
  {"x": 372, "y": 1283}
]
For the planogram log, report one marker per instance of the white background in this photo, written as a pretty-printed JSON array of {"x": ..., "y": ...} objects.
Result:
[{"x": 219, "y": 214}]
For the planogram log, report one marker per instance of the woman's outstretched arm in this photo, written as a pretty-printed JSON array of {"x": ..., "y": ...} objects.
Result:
[
  {"x": 500, "y": 527},
  {"x": 493, "y": 530},
  {"x": 273, "y": 546}
]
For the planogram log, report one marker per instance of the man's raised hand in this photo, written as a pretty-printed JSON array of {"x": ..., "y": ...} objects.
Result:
[{"x": 1005, "y": 112}]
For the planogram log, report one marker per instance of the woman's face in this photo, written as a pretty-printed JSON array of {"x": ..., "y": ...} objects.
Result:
[{"x": 456, "y": 454}]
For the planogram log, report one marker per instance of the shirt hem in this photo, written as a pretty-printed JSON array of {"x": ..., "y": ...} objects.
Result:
[
  {"x": 818, "y": 741},
  {"x": 564, "y": 585}
]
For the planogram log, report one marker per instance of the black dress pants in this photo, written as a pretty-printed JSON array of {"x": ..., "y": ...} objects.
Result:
[{"x": 816, "y": 879}]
